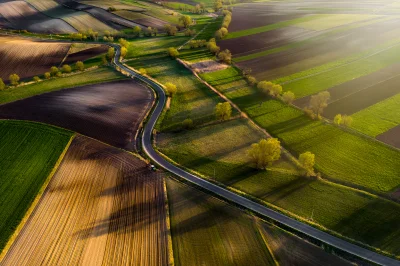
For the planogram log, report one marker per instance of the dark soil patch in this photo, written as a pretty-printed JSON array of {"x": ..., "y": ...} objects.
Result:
[
  {"x": 323, "y": 49},
  {"x": 110, "y": 112},
  {"x": 391, "y": 137},
  {"x": 151, "y": 22},
  {"x": 354, "y": 86},
  {"x": 85, "y": 54},
  {"x": 265, "y": 40}
]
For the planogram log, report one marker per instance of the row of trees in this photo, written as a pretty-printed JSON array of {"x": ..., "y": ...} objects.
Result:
[{"x": 268, "y": 151}]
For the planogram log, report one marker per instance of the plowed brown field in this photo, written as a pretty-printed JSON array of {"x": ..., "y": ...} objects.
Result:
[
  {"x": 23, "y": 16},
  {"x": 102, "y": 207},
  {"x": 28, "y": 58},
  {"x": 110, "y": 112}
]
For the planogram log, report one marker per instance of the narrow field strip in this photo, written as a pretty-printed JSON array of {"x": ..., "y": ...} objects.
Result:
[
  {"x": 29, "y": 153},
  {"x": 103, "y": 206}
]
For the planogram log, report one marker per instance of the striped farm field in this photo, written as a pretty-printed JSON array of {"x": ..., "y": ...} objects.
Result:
[
  {"x": 103, "y": 205},
  {"x": 206, "y": 231},
  {"x": 28, "y": 154}
]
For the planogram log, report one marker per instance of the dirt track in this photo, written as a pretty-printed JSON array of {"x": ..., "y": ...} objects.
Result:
[
  {"x": 110, "y": 112},
  {"x": 103, "y": 206}
]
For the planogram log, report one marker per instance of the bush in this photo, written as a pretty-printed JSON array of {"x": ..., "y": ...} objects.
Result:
[
  {"x": 187, "y": 123},
  {"x": 288, "y": 97},
  {"x": 251, "y": 80},
  {"x": 53, "y": 70},
  {"x": 2, "y": 85},
  {"x": 225, "y": 56},
  {"x": 143, "y": 71},
  {"x": 111, "y": 9},
  {"x": 173, "y": 52},
  {"x": 47, "y": 75},
  {"x": 80, "y": 66},
  {"x": 36, "y": 79},
  {"x": 170, "y": 88},
  {"x": 66, "y": 69},
  {"x": 14, "y": 79}
]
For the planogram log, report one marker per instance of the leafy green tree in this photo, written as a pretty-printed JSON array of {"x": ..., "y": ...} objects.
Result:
[
  {"x": 307, "y": 161},
  {"x": 319, "y": 102},
  {"x": 2, "y": 85},
  {"x": 47, "y": 75},
  {"x": 187, "y": 123},
  {"x": 288, "y": 97},
  {"x": 66, "y": 69},
  {"x": 217, "y": 5},
  {"x": 276, "y": 90},
  {"x": 265, "y": 152},
  {"x": 347, "y": 120},
  {"x": 14, "y": 79},
  {"x": 53, "y": 70},
  {"x": 173, "y": 52},
  {"x": 80, "y": 66},
  {"x": 338, "y": 119},
  {"x": 36, "y": 79},
  {"x": 110, "y": 53},
  {"x": 136, "y": 31},
  {"x": 213, "y": 48},
  {"x": 104, "y": 60},
  {"x": 225, "y": 56},
  {"x": 124, "y": 51},
  {"x": 143, "y": 71},
  {"x": 185, "y": 20},
  {"x": 123, "y": 42},
  {"x": 223, "y": 111},
  {"x": 58, "y": 74},
  {"x": 170, "y": 30},
  {"x": 265, "y": 86},
  {"x": 171, "y": 88}
]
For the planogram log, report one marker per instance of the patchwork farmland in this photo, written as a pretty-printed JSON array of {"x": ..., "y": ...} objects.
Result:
[
  {"x": 103, "y": 205},
  {"x": 111, "y": 112},
  {"x": 349, "y": 49}
]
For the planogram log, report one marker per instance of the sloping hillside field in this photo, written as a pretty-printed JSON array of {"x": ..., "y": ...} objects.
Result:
[
  {"x": 102, "y": 207},
  {"x": 111, "y": 112},
  {"x": 29, "y": 152}
]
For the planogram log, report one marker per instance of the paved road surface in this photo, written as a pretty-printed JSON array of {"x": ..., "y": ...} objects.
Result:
[{"x": 237, "y": 199}]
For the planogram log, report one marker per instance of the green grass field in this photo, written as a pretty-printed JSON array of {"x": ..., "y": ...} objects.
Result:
[
  {"x": 320, "y": 81},
  {"x": 206, "y": 231},
  {"x": 90, "y": 77},
  {"x": 219, "y": 151},
  {"x": 379, "y": 117},
  {"x": 339, "y": 154},
  {"x": 29, "y": 153}
]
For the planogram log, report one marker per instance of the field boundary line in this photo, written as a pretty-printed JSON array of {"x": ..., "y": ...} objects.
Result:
[
  {"x": 264, "y": 238},
  {"x": 36, "y": 200},
  {"x": 171, "y": 259},
  {"x": 66, "y": 56},
  {"x": 195, "y": 36}
]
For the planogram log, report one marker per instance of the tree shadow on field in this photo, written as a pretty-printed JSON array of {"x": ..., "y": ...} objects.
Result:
[{"x": 376, "y": 224}]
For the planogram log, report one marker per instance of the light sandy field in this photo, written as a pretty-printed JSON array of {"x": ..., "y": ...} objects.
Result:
[
  {"x": 102, "y": 207},
  {"x": 27, "y": 58}
]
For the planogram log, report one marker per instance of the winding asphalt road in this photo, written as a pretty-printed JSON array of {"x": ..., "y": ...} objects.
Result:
[{"x": 233, "y": 197}]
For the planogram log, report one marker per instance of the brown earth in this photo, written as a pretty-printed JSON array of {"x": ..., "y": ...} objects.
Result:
[
  {"x": 102, "y": 207},
  {"x": 391, "y": 137},
  {"x": 29, "y": 58},
  {"x": 291, "y": 250},
  {"x": 358, "y": 88},
  {"x": 110, "y": 112},
  {"x": 21, "y": 15},
  {"x": 207, "y": 66},
  {"x": 265, "y": 40},
  {"x": 323, "y": 49},
  {"x": 85, "y": 54}
]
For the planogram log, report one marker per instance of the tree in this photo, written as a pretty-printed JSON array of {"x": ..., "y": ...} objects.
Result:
[
  {"x": 307, "y": 161},
  {"x": 143, "y": 71},
  {"x": 123, "y": 42},
  {"x": 14, "y": 79},
  {"x": 202, "y": 6},
  {"x": 58, "y": 74},
  {"x": 173, "y": 52},
  {"x": 2, "y": 85},
  {"x": 124, "y": 51},
  {"x": 53, "y": 70},
  {"x": 223, "y": 111},
  {"x": 155, "y": 31},
  {"x": 66, "y": 69},
  {"x": 251, "y": 80},
  {"x": 47, "y": 75},
  {"x": 265, "y": 86},
  {"x": 170, "y": 88},
  {"x": 110, "y": 53},
  {"x": 225, "y": 56},
  {"x": 187, "y": 123},
  {"x": 136, "y": 31},
  {"x": 347, "y": 120},
  {"x": 276, "y": 90},
  {"x": 80, "y": 66},
  {"x": 217, "y": 5},
  {"x": 288, "y": 97},
  {"x": 319, "y": 102},
  {"x": 148, "y": 31},
  {"x": 104, "y": 60},
  {"x": 170, "y": 30},
  {"x": 265, "y": 152},
  {"x": 221, "y": 33},
  {"x": 213, "y": 48},
  {"x": 338, "y": 119},
  {"x": 185, "y": 20},
  {"x": 36, "y": 79},
  {"x": 111, "y": 9}
]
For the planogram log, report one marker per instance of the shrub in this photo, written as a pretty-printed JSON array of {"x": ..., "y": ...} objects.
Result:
[
  {"x": 187, "y": 123},
  {"x": 66, "y": 69},
  {"x": 47, "y": 75},
  {"x": 36, "y": 79},
  {"x": 143, "y": 71},
  {"x": 170, "y": 88},
  {"x": 80, "y": 66},
  {"x": 2, "y": 85},
  {"x": 173, "y": 52},
  {"x": 14, "y": 79},
  {"x": 288, "y": 97}
]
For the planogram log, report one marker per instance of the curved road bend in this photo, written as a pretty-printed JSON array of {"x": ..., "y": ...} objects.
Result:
[{"x": 233, "y": 197}]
